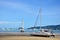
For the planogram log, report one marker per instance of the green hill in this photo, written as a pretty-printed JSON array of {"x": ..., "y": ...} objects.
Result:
[{"x": 53, "y": 27}]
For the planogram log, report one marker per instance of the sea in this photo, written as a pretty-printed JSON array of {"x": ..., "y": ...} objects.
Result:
[{"x": 25, "y": 30}]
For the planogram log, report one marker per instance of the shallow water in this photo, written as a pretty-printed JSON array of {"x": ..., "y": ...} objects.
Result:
[{"x": 27, "y": 30}]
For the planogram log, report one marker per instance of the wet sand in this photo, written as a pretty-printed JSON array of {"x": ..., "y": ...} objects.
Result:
[{"x": 28, "y": 38}]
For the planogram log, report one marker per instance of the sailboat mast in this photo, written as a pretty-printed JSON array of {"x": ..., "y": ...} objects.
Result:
[
  {"x": 22, "y": 25},
  {"x": 40, "y": 12},
  {"x": 40, "y": 18}
]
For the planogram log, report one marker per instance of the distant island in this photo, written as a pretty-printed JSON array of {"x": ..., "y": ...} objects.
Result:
[{"x": 53, "y": 27}]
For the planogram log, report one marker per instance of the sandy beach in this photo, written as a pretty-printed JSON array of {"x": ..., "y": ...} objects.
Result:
[{"x": 28, "y": 38}]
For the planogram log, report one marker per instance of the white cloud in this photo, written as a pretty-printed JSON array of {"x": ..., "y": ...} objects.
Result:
[
  {"x": 6, "y": 22},
  {"x": 24, "y": 7}
]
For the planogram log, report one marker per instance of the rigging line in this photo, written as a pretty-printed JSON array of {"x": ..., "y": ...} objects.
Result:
[{"x": 36, "y": 20}]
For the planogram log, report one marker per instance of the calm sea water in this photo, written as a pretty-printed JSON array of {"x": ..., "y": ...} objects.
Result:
[{"x": 26, "y": 30}]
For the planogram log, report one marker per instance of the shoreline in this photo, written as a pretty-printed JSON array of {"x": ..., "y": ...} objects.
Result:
[{"x": 28, "y": 38}]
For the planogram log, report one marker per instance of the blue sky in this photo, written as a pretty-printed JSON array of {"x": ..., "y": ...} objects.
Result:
[{"x": 12, "y": 12}]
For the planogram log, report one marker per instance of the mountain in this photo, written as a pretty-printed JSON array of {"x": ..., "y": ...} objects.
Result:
[{"x": 53, "y": 27}]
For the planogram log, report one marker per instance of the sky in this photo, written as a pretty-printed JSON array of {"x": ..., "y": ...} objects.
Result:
[{"x": 13, "y": 11}]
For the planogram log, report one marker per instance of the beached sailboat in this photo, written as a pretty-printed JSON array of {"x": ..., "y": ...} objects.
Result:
[{"x": 43, "y": 32}]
